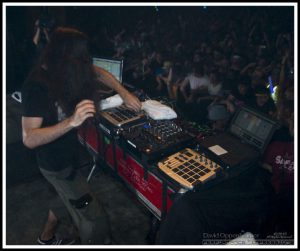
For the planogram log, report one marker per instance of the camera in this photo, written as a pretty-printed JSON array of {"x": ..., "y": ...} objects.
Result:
[{"x": 45, "y": 22}]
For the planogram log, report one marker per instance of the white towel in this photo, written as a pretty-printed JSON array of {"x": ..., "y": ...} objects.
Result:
[
  {"x": 157, "y": 110},
  {"x": 111, "y": 102}
]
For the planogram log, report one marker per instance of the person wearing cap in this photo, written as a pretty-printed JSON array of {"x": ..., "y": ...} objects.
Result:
[
  {"x": 262, "y": 101},
  {"x": 241, "y": 95}
]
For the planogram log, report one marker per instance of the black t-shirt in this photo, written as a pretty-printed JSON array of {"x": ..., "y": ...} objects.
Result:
[
  {"x": 266, "y": 108},
  {"x": 63, "y": 151}
]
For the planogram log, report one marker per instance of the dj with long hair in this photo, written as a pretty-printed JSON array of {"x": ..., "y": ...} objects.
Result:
[{"x": 60, "y": 94}]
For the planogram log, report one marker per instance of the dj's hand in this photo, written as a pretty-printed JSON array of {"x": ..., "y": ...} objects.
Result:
[
  {"x": 131, "y": 101},
  {"x": 85, "y": 109}
]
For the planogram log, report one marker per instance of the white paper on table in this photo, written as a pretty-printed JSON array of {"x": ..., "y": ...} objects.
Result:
[{"x": 217, "y": 150}]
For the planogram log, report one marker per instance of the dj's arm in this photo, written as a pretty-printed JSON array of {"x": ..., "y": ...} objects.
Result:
[
  {"x": 35, "y": 135},
  {"x": 130, "y": 100}
]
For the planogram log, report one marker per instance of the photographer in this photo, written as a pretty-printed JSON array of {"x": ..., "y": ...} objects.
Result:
[{"x": 42, "y": 27}]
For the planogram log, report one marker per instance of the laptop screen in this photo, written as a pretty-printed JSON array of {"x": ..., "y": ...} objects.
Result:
[
  {"x": 253, "y": 127},
  {"x": 114, "y": 66}
]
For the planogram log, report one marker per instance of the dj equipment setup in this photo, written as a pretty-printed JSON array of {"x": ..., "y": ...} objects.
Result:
[{"x": 160, "y": 159}]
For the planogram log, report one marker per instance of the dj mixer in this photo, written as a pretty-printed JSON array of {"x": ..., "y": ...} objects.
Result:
[
  {"x": 156, "y": 139},
  {"x": 189, "y": 168}
]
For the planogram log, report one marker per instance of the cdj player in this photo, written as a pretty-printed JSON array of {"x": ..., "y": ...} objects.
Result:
[{"x": 157, "y": 138}]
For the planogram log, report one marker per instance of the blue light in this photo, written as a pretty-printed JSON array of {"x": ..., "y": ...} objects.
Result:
[
  {"x": 271, "y": 85},
  {"x": 204, "y": 7}
]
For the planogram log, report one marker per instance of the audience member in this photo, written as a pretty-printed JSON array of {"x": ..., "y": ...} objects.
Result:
[
  {"x": 194, "y": 85},
  {"x": 241, "y": 95},
  {"x": 163, "y": 76},
  {"x": 279, "y": 160},
  {"x": 263, "y": 101}
]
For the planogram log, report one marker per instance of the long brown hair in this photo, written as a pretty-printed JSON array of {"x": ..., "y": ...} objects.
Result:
[{"x": 70, "y": 73}]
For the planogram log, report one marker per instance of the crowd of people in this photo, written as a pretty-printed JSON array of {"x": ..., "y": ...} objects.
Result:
[{"x": 241, "y": 57}]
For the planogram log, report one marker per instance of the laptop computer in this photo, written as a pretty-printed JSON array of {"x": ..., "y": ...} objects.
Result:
[
  {"x": 114, "y": 66},
  {"x": 246, "y": 139}
]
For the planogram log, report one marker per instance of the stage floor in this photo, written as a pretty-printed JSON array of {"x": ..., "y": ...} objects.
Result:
[{"x": 27, "y": 201}]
